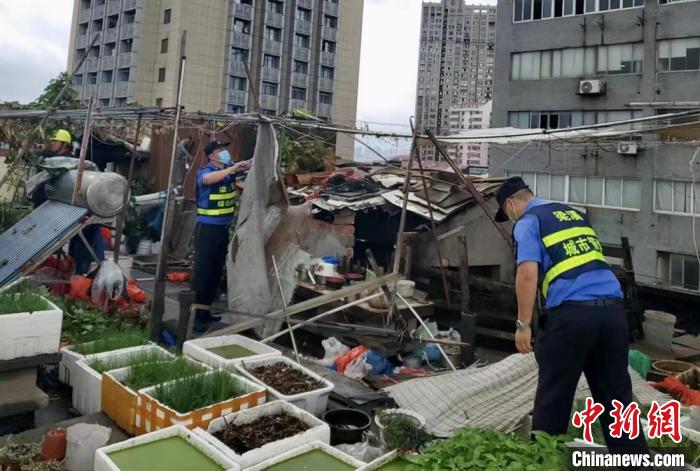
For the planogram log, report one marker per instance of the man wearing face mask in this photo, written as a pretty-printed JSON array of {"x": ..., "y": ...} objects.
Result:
[
  {"x": 583, "y": 328},
  {"x": 216, "y": 206}
]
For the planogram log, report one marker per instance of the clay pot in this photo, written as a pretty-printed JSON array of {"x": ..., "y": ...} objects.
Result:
[{"x": 54, "y": 445}]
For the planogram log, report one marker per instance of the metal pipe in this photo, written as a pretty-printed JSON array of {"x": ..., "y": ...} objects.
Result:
[
  {"x": 286, "y": 314},
  {"x": 130, "y": 176},
  {"x": 321, "y": 316},
  {"x": 87, "y": 131},
  {"x": 439, "y": 347}
]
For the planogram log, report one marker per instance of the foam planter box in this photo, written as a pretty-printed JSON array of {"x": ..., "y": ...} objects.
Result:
[
  {"x": 201, "y": 350},
  {"x": 175, "y": 448},
  {"x": 314, "y": 401},
  {"x": 392, "y": 459},
  {"x": 119, "y": 402},
  {"x": 69, "y": 358},
  {"x": 87, "y": 383},
  {"x": 318, "y": 431},
  {"x": 27, "y": 334},
  {"x": 320, "y": 456},
  {"x": 153, "y": 415}
]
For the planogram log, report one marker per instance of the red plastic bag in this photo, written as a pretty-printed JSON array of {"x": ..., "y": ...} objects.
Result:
[
  {"x": 342, "y": 362},
  {"x": 135, "y": 293},
  {"x": 178, "y": 276},
  {"x": 674, "y": 387},
  {"x": 80, "y": 287}
]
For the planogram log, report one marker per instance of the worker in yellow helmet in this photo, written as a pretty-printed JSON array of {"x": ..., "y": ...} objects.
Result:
[{"x": 61, "y": 145}]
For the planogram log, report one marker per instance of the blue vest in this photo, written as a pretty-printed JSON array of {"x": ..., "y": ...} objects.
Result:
[
  {"x": 217, "y": 204},
  {"x": 570, "y": 241}
]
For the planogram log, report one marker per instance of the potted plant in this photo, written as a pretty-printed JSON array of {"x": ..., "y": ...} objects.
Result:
[
  {"x": 289, "y": 381},
  {"x": 408, "y": 419},
  {"x": 14, "y": 455},
  {"x": 305, "y": 156}
]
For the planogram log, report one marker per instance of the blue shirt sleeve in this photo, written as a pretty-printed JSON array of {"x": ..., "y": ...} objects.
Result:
[
  {"x": 527, "y": 239},
  {"x": 200, "y": 175}
]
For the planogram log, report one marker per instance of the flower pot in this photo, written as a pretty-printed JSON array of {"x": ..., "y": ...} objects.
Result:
[
  {"x": 290, "y": 180},
  {"x": 305, "y": 178},
  {"x": 54, "y": 445}
]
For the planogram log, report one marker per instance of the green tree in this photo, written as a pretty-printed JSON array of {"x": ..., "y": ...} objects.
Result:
[{"x": 69, "y": 100}]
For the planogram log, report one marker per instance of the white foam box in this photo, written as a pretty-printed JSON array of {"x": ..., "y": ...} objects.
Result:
[
  {"x": 314, "y": 401},
  {"x": 104, "y": 463},
  {"x": 305, "y": 449},
  {"x": 69, "y": 357},
  {"x": 199, "y": 349},
  {"x": 87, "y": 383},
  {"x": 27, "y": 334},
  {"x": 379, "y": 462},
  {"x": 317, "y": 431}
]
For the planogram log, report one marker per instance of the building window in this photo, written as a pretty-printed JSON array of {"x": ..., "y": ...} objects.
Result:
[
  {"x": 676, "y": 197},
  {"x": 77, "y": 80},
  {"x": 239, "y": 83},
  {"x": 270, "y": 61},
  {"x": 130, "y": 17},
  {"x": 298, "y": 93},
  {"x": 679, "y": 54},
  {"x": 159, "y": 102},
  {"x": 104, "y": 102},
  {"x": 239, "y": 55},
  {"x": 161, "y": 74},
  {"x": 328, "y": 46},
  {"x": 303, "y": 14},
  {"x": 275, "y": 6},
  {"x": 92, "y": 78},
  {"x": 269, "y": 89},
  {"x": 327, "y": 72},
  {"x": 302, "y": 40},
  {"x": 330, "y": 21},
  {"x": 529, "y": 10},
  {"x": 664, "y": 2},
  {"x": 235, "y": 109},
  {"x": 167, "y": 14},
  {"x": 109, "y": 49},
  {"x": 301, "y": 67},
  {"x": 679, "y": 270},
  {"x": 120, "y": 102},
  {"x": 126, "y": 45},
  {"x": 567, "y": 119},
  {"x": 164, "y": 46},
  {"x": 325, "y": 98},
  {"x": 273, "y": 34},
  {"x": 123, "y": 75},
  {"x": 620, "y": 193},
  {"x": 578, "y": 61},
  {"x": 107, "y": 76}
]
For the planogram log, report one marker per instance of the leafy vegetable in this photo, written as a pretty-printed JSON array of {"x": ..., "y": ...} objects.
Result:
[
  {"x": 403, "y": 432},
  {"x": 195, "y": 392},
  {"x": 689, "y": 448},
  {"x": 149, "y": 374},
  {"x": 113, "y": 339},
  {"x": 22, "y": 302},
  {"x": 137, "y": 358}
]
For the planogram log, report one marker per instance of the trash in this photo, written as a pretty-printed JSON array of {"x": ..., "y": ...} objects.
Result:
[
  {"x": 109, "y": 283},
  {"x": 83, "y": 441},
  {"x": 639, "y": 362},
  {"x": 358, "y": 368},
  {"x": 334, "y": 349},
  {"x": 342, "y": 362},
  {"x": 79, "y": 287},
  {"x": 679, "y": 391},
  {"x": 135, "y": 293},
  {"x": 362, "y": 451},
  {"x": 380, "y": 365},
  {"x": 178, "y": 276}
]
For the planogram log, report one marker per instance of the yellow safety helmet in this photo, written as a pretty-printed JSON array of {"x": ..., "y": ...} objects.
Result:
[{"x": 63, "y": 136}]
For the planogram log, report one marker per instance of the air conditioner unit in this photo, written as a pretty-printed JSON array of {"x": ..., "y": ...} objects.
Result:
[
  {"x": 591, "y": 87},
  {"x": 627, "y": 148}
]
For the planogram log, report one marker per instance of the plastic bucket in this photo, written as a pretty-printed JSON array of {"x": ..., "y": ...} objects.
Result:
[
  {"x": 83, "y": 440},
  {"x": 658, "y": 329},
  {"x": 347, "y": 425}
]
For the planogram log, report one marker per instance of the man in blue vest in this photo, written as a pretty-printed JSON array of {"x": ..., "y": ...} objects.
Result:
[
  {"x": 583, "y": 328},
  {"x": 216, "y": 206}
]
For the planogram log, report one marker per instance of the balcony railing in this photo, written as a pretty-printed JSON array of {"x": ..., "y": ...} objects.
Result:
[
  {"x": 308, "y": 4},
  {"x": 324, "y": 110},
  {"x": 124, "y": 89},
  {"x": 81, "y": 41},
  {"x": 300, "y": 80},
  {"x": 114, "y": 7},
  {"x": 330, "y": 8},
  {"x": 98, "y": 11},
  {"x": 128, "y": 31},
  {"x": 243, "y": 11},
  {"x": 105, "y": 90},
  {"x": 108, "y": 62},
  {"x": 302, "y": 53},
  {"x": 270, "y": 74},
  {"x": 325, "y": 84},
  {"x": 126, "y": 59},
  {"x": 269, "y": 102},
  {"x": 130, "y": 4},
  {"x": 241, "y": 40},
  {"x": 274, "y": 19},
  {"x": 297, "y": 105},
  {"x": 302, "y": 27},
  {"x": 111, "y": 35},
  {"x": 237, "y": 68},
  {"x": 237, "y": 97},
  {"x": 327, "y": 58},
  {"x": 272, "y": 47},
  {"x": 92, "y": 64},
  {"x": 330, "y": 34}
]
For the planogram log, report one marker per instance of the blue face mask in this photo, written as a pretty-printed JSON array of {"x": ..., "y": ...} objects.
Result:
[{"x": 225, "y": 158}]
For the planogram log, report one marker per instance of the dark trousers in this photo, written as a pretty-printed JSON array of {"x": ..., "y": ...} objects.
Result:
[
  {"x": 210, "y": 252},
  {"x": 593, "y": 340}
]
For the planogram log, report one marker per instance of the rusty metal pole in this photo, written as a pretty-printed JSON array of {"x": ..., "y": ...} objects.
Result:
[
  {"x": 121, "y": 219},
  {"x": 87, "y": 132}
]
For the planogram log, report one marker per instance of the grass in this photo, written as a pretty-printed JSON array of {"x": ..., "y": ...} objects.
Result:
[
  {"x": 113, "y": 339},
  {"x": 149, "y": 374},
  {"x": 195, "y": 392},
  {"x": 22, "y": 302},
  {"x": 137, "y": 358}
]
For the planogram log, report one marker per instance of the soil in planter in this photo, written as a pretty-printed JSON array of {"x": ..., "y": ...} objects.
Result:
[
  {"x": 168, "y": 454},
  {"x": 286, "y": 379},
  {"x": 267, "y": 429},
  {"x": 232, "y": 351},
  {"x": 313, "y": 460}
]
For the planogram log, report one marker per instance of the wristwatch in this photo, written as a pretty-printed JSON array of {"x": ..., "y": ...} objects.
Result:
[{"x": 520, "y": 325}]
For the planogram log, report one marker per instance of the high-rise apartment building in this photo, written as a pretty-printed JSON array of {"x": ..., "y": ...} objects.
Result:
[
  {"x": 463, "y": 118},
  {"x": 565, "y": 63},
  {"x": 455, "y": 62},
  {"x": 301, "y": 54}
]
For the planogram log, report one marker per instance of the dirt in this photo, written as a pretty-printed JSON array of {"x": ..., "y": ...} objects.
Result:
[
  {"x": 267, "y": 429},
  {"x": 285, "y": 379}
]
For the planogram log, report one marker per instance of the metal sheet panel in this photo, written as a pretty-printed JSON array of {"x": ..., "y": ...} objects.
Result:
[{"x": 34, "y": 233}]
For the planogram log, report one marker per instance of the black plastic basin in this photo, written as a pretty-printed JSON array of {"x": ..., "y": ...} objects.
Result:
[{"x": 347, "y": 425}]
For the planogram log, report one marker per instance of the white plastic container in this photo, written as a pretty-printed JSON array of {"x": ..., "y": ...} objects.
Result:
[
  {"x": 314, "y": 401},
  {"x": 82, "y": 441},
  {"x": 658, "y": 329},
  {"x": 406, "y": 288},
  {"x": 87, "y": 383},
  {"x": 318, "y": 431},
  {"x": 27, "y": 334},
  {"x": 305, "y": 449},
  {"x": 104, "y": 463},
  {"x": 199, "y": 349}
]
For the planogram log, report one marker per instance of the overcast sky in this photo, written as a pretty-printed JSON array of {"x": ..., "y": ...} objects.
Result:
[{"x": 34, "y": 43}]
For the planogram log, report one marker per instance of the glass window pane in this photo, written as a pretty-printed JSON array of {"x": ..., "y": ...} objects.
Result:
[
  {"x": 527, "y": 9},
  {"x": 676, "y": 262},
  {"x": 568, "y": 7},
  {"x": 696, "y": 200},
  {"x": 577, "y": 189},
  {"x": 529, "y": 179},
  {"x": 664, "y": 195},
  {"x": 589, "y": 61},
  {"x": 524, "y": 119},
  {"x": 594, "y": 191},
  {"x": 602, "y": 59},
  {"x": 546, "y": 8},
  {"x": 546, "y": 64},
  {"x": 631, "y": 194},
  {"x": 543, "y": 185},
  {"x": 590, "y": 6},
  {"x": 518, "y": 7},
  {"x": 556, "y": 63},
  {"x": 557, "y": 188},
  {"x": 515, "y": 67},
  {"x": 568, "y": 63},
  {"x": 690, "y": 272},
  {"x": 679, "y": 198},
  {"x": 613, "y": 192}
]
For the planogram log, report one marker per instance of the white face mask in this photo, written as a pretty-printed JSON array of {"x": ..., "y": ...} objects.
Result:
[{"x": 511, "y": 216}]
